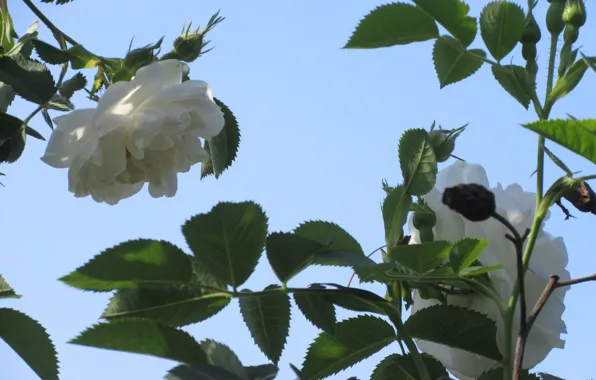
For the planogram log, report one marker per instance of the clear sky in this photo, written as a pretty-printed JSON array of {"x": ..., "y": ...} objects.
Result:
[{"x": 320, "y": 128}]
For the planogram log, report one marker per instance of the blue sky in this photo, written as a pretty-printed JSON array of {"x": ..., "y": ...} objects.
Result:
[{"x": 320, "y": 128}]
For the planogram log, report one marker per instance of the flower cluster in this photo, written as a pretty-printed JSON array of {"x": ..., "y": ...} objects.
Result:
[{"x": 146, "y": 130}]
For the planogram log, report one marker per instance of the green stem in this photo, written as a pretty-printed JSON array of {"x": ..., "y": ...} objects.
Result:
[
  {"x": 42, "y": 106},
  {"x": 412, "y": 350},
  {"x": 394, "y": 315},
  {"x": 536, "y": 223},
  {"x": 59, "y": 35}
]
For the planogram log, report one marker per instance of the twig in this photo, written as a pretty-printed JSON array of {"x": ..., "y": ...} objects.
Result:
[
  {"x": 552, "y": 285},
  {"x": 574, "y": 281}
]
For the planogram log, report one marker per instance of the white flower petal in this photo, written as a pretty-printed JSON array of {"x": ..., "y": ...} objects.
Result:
[
  {"x": 550, "y": 256},
  {"x": 73, "y": 134},
  {"x": 115, "y": 107},
  {"x": 461, "y": 172},
  {"x": 144, "y": 130},
  {"x": 190, "y": 98},
  {"x": 112, "y": 193},
  {"x": 165, "y": 73}
]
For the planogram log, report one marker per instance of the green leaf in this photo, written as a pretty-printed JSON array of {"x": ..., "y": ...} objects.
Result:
[
  {"x": 395, "y": 210},
  {"x": 47, "y": 118},
  {"x": 501, "y": 26},
  {"x": 497, "y": 374},
  {"x": 558, "y": 161},
  {"x": 397, "y": 367},
  {"x": 546, "y": 376},
  {"x": 453, "y": 62},
  {"x": 207, "y": 164},
  {"x": 6, "y": 291},
  {"x": 579, "y": 136},
  {"x": 223, "y": 147},
  {"x": 6, "y": 97},
  {"x": 49, "y": 53},
  {"x": 329, "y": 234},
  {"x": 569, "y": 81},
  {"x": 143, "y": 336},
  {"x": 132, "y": 264},
  {"x": 29, "y": 79},
  {"x": 417, "y": 161},
  {"x": 316, "y": 309},
  {"x": 380, "y": 273},
  {"x": 82, "y": 58},
  {"x": 465, "y": 251},
  {"x": 9, "y": 125},
  {"x": 356, "y": 299},
  {"x": 74, "y": 84},
  {"x": 342, "y": 259},
  {"x": 200, "y": 372},
  {"x": 393, "y": 24},
  {"x": 228, "y": 240},
  {"x": 590, "y": 63},
  {"x": 58, "y": 103},
  {"x": 477, "y": 270},
  {"x": 33, "y": 133},
  {"x": 456, "y": 327},
  {"x": 58, "y": 2},
  {"x": 453, "y": 16},
  {"x": 421, "y": 258},
  {"x": 297, "y": 372},
  {"x": 289, "y": 254},
  {"x": 262, "y": 372},
  {"x": 220, "y": 355},
  {"x": 515, "y": 81},
  {"x": 354, "y": 340},
  {"x": 30, "y": 341},
  {"x": 268, "y": 320},
  {"x": 12, "y": 148},
  {"x": 24, "y": 46},
  {"x": 171, "y": 305}
]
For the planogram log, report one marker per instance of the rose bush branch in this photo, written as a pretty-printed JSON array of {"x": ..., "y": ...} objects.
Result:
[
  {"x": 59, "y": 35},
  {"x": 552, "y": 285}
]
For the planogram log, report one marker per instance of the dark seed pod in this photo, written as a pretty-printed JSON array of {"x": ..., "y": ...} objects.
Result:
[{"x": 475, "y": 202}]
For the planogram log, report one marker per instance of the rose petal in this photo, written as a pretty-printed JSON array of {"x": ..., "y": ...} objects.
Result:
[
  {"x": 461, "y": 172},
  {"x": 72, "y": 135}
]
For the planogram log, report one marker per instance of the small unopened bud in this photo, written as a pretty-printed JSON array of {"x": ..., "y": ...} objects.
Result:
[
  {"x": 188, "y": 46},
  {"x": 575, "y": 13},
  {"x": 475, "y": 202}
]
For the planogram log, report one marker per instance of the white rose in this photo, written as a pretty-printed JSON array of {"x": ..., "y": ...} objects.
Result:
[
  {"x": 145, "y": 130},
  {"x": 550, "y": 256}
]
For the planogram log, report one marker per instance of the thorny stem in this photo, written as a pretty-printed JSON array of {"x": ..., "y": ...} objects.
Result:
[{"x": 509, "y": 371}]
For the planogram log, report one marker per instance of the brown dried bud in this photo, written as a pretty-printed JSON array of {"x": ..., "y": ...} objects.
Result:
[{"x": 475, "y": 202}]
